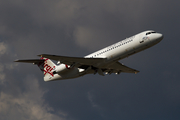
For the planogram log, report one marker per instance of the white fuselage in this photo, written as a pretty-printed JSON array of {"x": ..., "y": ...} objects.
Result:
[{"x": 115, "y": 53}]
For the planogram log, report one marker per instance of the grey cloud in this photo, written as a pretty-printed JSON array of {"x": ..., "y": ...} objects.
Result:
[
  {"x": 2, "y": 74},
  {"x": 3, "y": 48},
  {"x": 29, "y": 18},
  {"x": 86, "y": 36},
  {"x": 90, "y": 98},
  {"x": 29, "y": 105}
]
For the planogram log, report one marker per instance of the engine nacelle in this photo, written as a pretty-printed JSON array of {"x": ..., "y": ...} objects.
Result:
[{"x": 61, "y": 68}]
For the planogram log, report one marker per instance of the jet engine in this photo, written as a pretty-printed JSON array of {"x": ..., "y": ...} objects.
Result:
[{"x": 61, "y": 69}]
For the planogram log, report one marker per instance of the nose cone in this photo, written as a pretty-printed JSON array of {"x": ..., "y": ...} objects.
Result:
[{"x": 157, "y": 37}]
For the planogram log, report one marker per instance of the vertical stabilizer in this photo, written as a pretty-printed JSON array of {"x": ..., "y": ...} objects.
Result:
[{"x": 47, "y": 66}]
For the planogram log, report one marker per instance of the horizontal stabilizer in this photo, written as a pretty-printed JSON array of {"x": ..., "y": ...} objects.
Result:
[{"x": 34, "y": 61}]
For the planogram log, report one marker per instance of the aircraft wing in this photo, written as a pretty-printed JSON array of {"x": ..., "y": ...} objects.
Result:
[
  {"x": 86, "y": 62},
  {"x": 74, "y": 60},
  {"x": 117, "y": 66}
]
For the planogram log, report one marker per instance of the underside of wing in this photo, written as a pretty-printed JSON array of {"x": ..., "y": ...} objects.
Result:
[
  {"x": 73, "y": 60},
  {"x": 117, "y": 67}
]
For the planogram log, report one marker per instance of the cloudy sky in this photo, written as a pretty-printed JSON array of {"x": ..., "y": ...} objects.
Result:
[{"x": 78, "y": 28}]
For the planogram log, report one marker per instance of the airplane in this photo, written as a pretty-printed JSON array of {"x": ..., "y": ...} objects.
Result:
[{"x": 104, "y": 61}]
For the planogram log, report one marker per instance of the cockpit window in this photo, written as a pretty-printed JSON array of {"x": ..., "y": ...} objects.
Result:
[
  {"x": 153, "y": 32},
  {"x": 150, "y": 32}
]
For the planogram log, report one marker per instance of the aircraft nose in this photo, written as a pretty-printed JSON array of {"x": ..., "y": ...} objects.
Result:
[{"x": 157, "y": 37}]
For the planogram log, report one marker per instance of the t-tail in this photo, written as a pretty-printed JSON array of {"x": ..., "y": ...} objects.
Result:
[{"x": 45, "y": 65}]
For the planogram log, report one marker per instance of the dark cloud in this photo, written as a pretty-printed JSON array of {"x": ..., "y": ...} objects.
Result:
[
  {"x": 77, "y": 28},
  {"x": 27, "y": 105}
]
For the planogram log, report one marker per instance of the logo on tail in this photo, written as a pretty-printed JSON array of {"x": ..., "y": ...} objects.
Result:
[{"x": 47, "y": 66}]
